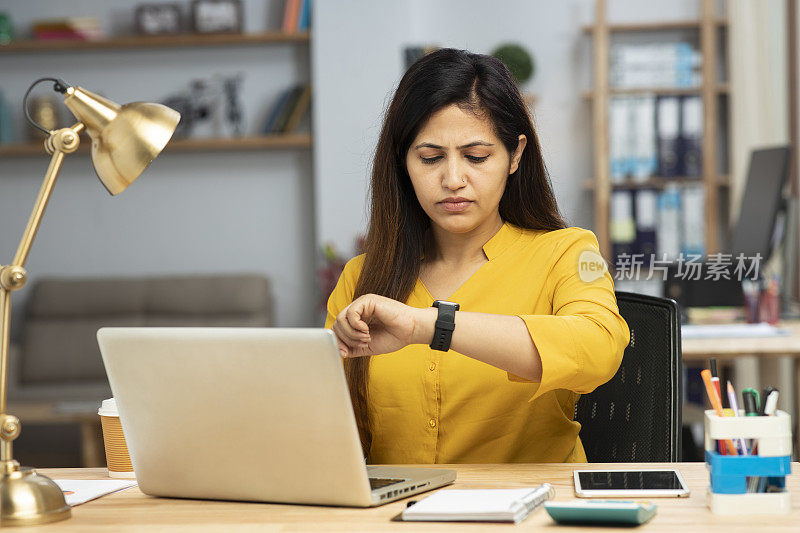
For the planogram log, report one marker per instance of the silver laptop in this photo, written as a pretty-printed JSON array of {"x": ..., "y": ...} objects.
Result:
[{"x": 257, "y": 414}]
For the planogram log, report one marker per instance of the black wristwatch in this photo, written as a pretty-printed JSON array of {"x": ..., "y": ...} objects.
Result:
[{"x": 445, "y": 324}]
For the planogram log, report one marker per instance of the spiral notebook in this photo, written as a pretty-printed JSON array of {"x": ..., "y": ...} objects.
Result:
[{"x": 479, "y": 505}]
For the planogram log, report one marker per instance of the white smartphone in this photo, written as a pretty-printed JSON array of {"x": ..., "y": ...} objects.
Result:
[{"x": 656, "y": 483}]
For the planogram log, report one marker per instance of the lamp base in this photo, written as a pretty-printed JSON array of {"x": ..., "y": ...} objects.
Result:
[{"x": 28, "y": 498}]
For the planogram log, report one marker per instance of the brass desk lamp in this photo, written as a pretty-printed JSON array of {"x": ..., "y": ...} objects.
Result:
[{"x": 125, "y": 140}]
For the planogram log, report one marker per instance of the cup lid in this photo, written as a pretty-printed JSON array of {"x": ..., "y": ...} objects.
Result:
[{"x": 108, "y": 408}]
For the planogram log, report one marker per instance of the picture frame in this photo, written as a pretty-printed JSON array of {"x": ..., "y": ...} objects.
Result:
[
  {"x": 217, "y": 16},
  {"x": 159, "y": 19}
]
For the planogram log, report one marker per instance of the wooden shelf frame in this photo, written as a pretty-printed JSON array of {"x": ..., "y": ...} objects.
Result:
[
  {"x": 601, "y": 31},
  {"x": 602, "y": 189},
  {"x": 720, "y": 88},
  {"x": 155, "y": 41},
  {"x": 723, "y": 181},
  {"x": 266, "y": 142},
  {"x": 187, "y": 40},
  {"x": 646, "y": 27}
]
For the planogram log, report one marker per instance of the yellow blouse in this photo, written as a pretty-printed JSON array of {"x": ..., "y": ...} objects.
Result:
[{"x": 428, "y": 406}]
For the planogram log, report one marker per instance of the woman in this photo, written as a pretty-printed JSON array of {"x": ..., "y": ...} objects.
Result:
[{"x": 462, "y": 210}]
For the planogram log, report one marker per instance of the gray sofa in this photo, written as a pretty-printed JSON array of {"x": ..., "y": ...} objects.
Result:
[{"x": 57, "y": 358}]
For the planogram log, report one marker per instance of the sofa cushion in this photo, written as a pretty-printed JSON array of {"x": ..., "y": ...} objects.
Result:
[
  {"x": 64, "y": 298},
  {"x": 204, "y": 295},
  {"x": 59, "y": 342},
  {"x": 65, "y": 350}
]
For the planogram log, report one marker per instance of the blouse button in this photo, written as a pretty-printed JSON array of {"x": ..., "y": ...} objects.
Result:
[
  {"x": 432, "y": 367},
  {"x": 432, "y": 423}
]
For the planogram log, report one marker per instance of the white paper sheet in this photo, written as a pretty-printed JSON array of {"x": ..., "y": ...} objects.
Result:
[
  {"x": 708, "y": 331},
  {"x": 78, "y": 491}
]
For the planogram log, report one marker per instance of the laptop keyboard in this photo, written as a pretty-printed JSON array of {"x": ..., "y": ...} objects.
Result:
[{"x": 380, "y": 482}]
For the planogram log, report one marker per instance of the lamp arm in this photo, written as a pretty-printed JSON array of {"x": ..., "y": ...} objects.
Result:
[
  {"x": 13, "y": 276},
  {"x": 9, "y": 426},
  {"x": 59, "y": 143}
]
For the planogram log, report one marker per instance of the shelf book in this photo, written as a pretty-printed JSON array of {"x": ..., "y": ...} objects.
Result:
[
  {"x": 288, "y": 110},
  {"x": 68, "y": 28},
  {"x": 296, "y": 15}
]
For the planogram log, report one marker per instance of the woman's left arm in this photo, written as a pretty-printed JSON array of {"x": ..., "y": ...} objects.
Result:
[
  {"x": 374, "y": 325},
  {"x": 502, "y": 341},
  {"x": 578, "y": 347}
]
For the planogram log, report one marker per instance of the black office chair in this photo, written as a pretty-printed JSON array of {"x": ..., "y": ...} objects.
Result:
[{"x": 636, "y": 417}]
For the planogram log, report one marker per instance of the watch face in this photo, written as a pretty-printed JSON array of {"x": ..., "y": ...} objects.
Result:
[{"x": 445, "y": 302}]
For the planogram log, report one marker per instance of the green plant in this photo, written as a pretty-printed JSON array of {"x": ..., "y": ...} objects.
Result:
[{"x": 518, "y": 61}]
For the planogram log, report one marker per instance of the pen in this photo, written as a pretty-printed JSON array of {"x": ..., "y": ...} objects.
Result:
[
  {"x": 752, "y": 404},
  {"x": 716, "y": 404},
  {"x": 735, "y": 408},
  {"x": 715, "y": 378},
  {"x": 751, "y": 408},
  {"x": 764, "y": 395},
  {"x": 771, "y": 403},
  {"x": 715, "y": 382}
]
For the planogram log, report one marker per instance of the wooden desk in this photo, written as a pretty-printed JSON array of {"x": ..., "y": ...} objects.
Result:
[
  {"x": 728, "y": 348},
  {"x": 130, "y": 510}
]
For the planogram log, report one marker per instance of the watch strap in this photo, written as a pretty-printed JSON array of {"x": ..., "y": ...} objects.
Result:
[{"x": 445, "y": 324}]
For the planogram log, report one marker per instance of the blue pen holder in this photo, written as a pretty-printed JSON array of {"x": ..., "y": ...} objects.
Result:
[{"x": 730, "y": 475}]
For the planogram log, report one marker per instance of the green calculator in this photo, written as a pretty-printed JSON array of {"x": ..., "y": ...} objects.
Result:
[{"x": 601, "y": 512}]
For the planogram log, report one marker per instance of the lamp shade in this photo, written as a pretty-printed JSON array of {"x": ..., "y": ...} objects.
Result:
[{"x": 125, "y": 139}]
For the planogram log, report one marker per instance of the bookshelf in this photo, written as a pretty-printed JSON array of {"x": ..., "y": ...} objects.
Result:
[
  {"x": 155, "y": 41},
  {"x": 637, "y": 27},
  {"x": 721, "y": 88},
  {"x": 714, "y": 182},
  {"x": 723, "y": 180},
  {"x": 251, "y": 143},
  {"x": 265, "y": 142}
]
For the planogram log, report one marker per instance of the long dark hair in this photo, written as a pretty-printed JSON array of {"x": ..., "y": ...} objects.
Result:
[{"x": 394, "y": 243}]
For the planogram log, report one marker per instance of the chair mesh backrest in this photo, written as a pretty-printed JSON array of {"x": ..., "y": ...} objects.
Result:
[{"x": 637, "y": 415}]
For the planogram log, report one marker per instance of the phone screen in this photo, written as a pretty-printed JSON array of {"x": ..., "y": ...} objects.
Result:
[{"x": 632, "y": 480}]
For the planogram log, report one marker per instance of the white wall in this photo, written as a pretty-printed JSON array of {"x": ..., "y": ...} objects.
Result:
[
  {"x": 188, "y": 213},
  {"x": 356, "y": 60},
  {"x": 357, "y": 63},
  {"x": 263, "y": 212}
]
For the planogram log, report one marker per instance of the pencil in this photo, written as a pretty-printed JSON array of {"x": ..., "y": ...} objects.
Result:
[
  {"x": 735, "y": 409},
  {"x": 716, "y": 403},
  {"x": 715, "y": 382}
]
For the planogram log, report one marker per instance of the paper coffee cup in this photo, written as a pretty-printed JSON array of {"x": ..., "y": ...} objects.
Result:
[{"x": 117, "y": 456}]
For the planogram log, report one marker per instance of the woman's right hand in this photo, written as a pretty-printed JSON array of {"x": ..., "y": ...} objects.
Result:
[{"x": 374, "y": 324}]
